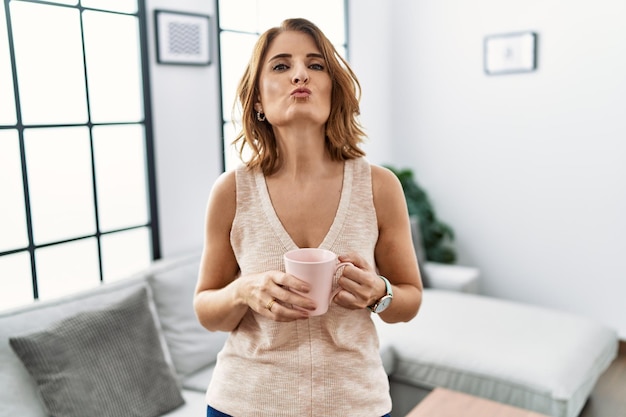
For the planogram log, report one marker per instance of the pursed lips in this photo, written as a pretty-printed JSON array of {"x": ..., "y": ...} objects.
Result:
[{"x": 301, "y": 93}]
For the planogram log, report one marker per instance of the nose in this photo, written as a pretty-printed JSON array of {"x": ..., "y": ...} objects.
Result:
[{"x": 300, "y": 76}]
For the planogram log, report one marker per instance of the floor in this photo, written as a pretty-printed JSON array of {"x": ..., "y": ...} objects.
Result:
[{"x": 608, "y": 398}]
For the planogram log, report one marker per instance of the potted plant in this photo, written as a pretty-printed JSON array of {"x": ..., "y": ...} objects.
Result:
[{"x": 436, "y": 235}]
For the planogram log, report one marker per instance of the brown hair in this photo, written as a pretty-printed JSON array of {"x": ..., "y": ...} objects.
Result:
[{"x": 343, "y": 131}]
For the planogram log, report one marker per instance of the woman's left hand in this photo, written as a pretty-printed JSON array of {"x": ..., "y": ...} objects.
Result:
[{"x": 359, "y": 282}]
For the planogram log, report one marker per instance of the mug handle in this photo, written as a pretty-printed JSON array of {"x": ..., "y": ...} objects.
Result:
[{"x": 336, "y": 291}]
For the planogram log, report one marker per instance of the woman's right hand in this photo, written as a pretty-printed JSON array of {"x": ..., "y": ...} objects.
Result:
[{"x": 268, "y": 294}]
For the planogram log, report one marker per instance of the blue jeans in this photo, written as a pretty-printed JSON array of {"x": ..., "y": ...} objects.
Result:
[{"x": 212, "y": 412}]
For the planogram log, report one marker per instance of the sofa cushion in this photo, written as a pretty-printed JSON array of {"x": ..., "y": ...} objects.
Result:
[
  {"x": 199, "y": 380},
  {"x": 173, "y": 283},
  {"x": 106, "y": 362},
  {"x": 195, "y": 405},
  {"x": 527, "y": 356}
]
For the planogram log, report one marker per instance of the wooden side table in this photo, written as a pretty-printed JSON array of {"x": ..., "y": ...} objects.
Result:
[{"x": 442, "y": 402}]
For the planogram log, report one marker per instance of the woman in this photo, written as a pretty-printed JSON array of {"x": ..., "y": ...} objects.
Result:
[{"x": 306, "y": 185}]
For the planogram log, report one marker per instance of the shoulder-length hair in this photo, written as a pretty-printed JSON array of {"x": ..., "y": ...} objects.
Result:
[{"x": 343, "y": 130}]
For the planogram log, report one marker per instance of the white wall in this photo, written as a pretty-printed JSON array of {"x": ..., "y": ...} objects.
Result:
[
  {"x": 369, "y": 37},
  {"x": 187, "y": 135},
  {"x": 529, "y": 169}
]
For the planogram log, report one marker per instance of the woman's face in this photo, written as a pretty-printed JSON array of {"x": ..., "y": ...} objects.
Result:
[{"x": 294, "y": 84}]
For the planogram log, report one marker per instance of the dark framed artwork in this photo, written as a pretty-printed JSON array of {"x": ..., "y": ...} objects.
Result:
[
  {"x": 182, "y": 38},
  {"x": 510, "y": 53}
]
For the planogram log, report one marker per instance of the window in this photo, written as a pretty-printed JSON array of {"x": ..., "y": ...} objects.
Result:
[
  {"x": 242, "y": 21},
  {"x": 75, "y": 147}
]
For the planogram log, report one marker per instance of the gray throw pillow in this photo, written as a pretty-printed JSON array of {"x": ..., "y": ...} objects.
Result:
[
  {"x": 192, "y": 346},
  {"x": 102, "y": 363},
  {"x": 420, "y": 252}
]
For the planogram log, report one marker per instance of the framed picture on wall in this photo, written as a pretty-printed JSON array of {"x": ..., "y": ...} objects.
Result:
[
  {"x": 510, "y": 53},
  {"x": 182, "y": 38}
]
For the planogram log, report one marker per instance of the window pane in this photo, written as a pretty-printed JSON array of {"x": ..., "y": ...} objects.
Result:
[
  {"x": 113, "y": 67},
  {"x": 328, "y": 15},
  {"x": 58, "y": 161},
  {"x": 7, "y": 99},
  {"x": 341, "y": 50},
  {"x": 67, "y": 268},
  {"x": 125, "y": 253},
  {"x": 236, "y": 51},
  {"x": 122, "y": 6},
  {"x": 16, "y": 282},
  {"x": 13, "y": 233},
  {"x": 231, "y": 157},
  {"x": 239, "y": 15},
  {"x": 49, "y": 63},
  {"x": 69, "y": 2},
  {"x": 120, "y": 176}
]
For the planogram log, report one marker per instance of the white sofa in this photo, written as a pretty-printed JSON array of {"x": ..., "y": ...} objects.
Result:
[{"x": 535, "y": 358}]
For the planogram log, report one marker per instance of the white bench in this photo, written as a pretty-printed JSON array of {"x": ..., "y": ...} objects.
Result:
[{"x": 530, "y": 357}]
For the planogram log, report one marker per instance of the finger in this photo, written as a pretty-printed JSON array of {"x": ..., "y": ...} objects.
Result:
[
  {"x": 364, "y": 285},
  {"x": 281, "y": 287},
  {"x": 290, "y": 281},
  {"x": 347, "y": 299},
  {"x": 270, "y": 304},
  {"x": 353, "y": 273},
  {"x": 290, "y": 298},
  {"x": 355, "y": 259},
  {"x": 349, "y": 283},
  {"x": 354, "y": 292},
  {"x": 278, "y": 311}
]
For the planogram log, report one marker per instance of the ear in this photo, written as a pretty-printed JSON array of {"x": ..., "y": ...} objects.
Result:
[{"x": 258, "y": 107}]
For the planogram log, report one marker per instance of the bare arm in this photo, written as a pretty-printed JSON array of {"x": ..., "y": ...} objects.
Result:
[
  {"x": 394, "y": 253},
  {"x": 222, "y": 298}
]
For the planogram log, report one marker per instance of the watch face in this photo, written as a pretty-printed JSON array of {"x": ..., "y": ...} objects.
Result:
[{"x": 383, "y": 304}]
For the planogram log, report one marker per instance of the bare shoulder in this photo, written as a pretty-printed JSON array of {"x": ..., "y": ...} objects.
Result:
[
  {"x": 225, "y": 184},
  {"x": 388, "y": 195},
  {"x": 384, "y": 181},
  {"x": 223, "y": 197}
]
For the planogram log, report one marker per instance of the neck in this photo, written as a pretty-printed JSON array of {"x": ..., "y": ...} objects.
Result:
[{"x": 303, "y": 153}]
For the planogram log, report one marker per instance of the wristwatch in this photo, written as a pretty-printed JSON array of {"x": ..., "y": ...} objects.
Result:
[{"x": 382, "y": 304}]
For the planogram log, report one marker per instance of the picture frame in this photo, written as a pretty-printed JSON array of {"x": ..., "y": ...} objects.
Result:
[
  {"x": 510, "y": 53},
  {"x": 182, "y": 38}
]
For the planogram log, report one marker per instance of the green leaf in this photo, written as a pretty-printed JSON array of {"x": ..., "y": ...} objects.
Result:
[{"x": 436, "y": 235}]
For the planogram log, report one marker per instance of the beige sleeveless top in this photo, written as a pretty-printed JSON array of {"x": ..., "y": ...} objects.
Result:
[{"x": 327, "y": 365}]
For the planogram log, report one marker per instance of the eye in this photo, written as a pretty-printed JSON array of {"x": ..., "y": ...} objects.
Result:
[
  {"x": 279, "y": 67},
  {"x": 317, "y": 67}
]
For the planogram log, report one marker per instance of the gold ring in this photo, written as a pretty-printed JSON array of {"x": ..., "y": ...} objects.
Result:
[{"x": 270, "y": 304}]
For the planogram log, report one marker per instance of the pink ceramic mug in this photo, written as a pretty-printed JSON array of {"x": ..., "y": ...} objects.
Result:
[{"x": 318, "y": 267}]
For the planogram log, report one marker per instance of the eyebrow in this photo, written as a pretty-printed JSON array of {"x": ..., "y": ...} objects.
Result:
[{"x": 284, "y": 55}]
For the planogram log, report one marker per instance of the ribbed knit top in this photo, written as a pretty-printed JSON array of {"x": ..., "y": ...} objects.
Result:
[{"x": 324, "y": 366}]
